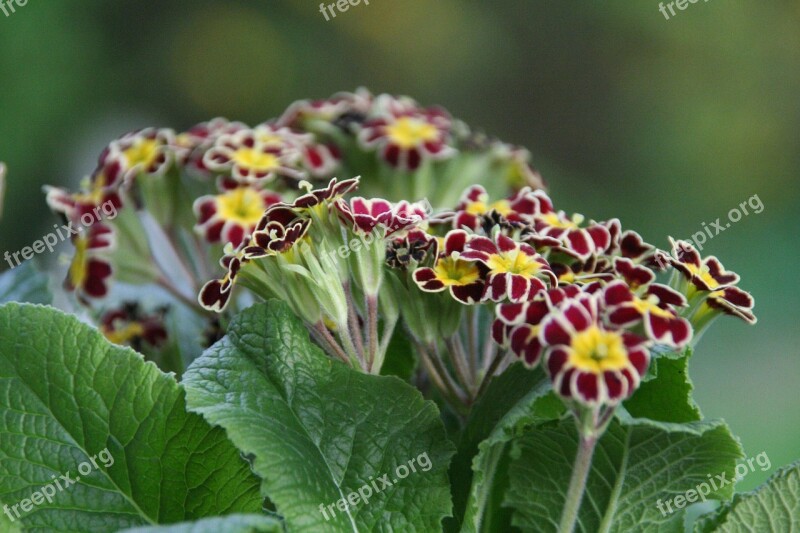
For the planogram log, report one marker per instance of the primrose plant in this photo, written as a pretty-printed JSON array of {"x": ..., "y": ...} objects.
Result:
[{"x": 356, "y": 283}]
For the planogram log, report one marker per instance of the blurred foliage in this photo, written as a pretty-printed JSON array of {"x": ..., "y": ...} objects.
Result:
[{"x": 664, "y": 123}]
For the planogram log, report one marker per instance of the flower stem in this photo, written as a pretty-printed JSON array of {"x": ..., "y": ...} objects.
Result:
[
  {"x": 455, "y": 353},
  {"x": 333, "y": 346},
  {"x": 372, "y": 332},
  {"x": 487, "y": 377},
  {"x": 352, "y": 318},
  {"x": 473, "y": 330},
  {"x": 577, "y": 484}
]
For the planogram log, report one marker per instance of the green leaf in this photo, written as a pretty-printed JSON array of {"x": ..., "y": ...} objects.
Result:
[
  {"x": 668, "y": 396},
  {"x": 67, "y": 398},
  {"x": 6, "y": 526},
  {"x": 638, "y": 465},
  {"x": 225, "y": 524},
  {"x": 516, "y": 399},
  {"x": 24, "y": 283},
  {"x": 774, "y": 506},
  {"x": 318, "y": 431}
]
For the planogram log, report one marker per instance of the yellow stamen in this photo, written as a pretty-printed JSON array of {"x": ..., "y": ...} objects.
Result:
[
  {"x": 514, "y": 262},
  {"x": 703, "y": 273},
  {"x": 408, "y": 132},
  {"x": 253, "y": 159},
  {"x": 595, "y": 350},
  {"x": 125, "y": 334},
  {"x": 242, "y": 205},
  {"x": 552, "y": 219},
  {"x": 78, "y": 270},
  {"x": 650, "y": 305},
  {"x": 481, "y": 208},
  {"x": 142, "y": 152},
  {"x": 456, "y": 272}
]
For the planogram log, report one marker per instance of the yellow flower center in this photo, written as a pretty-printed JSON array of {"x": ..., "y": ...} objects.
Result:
[
  {"x": 703, "y": 273},
  {"x": 595, "y": 350},
  {"x": 650, "y": 305},
  {"x": 514, "y": 262},
  {"x": 142, "y": 152},
  {"x": 243, "y": 206},
  {"x": 126, "y": 334},
  {"x": 451, "y": 271},
  {"x": 552, "y": 219},
  {"x": 255, "y": 159},
  {"x": 77, "y": 269},
  {"x": 409, "y": 132},
  {"x": 481, "y": 208}
]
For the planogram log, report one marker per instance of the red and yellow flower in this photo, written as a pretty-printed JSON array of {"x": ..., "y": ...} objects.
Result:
[
  {"x": 89, "y": 270},
  {"x": 279, "y": 230},
  {"x": 130, "y": 326},
  {"x": 587, "y": 361},
  {"x": 101, "y": 188},
  {"x": 654, "y": 305},
  {"x": 406, "y": 136},
  {"x": 149, "y": 151},
  {"x": 252, "y": 157},
  {"x": 317, "y": 159},
  {"x": 705, "y": 274},
  {"x": 475, "y": 205},
  {"x": 365, "y": 215},
  {"x": 232, "y": 215},
  {"x": 516, "y": 272},
  {"x": 518, "y": 325},
  {"x": 216, "y": 293},
  {"x": 708, "y": 279},
  {"x": 193, "y": 143},
  {"x": 463, "y": 278}
]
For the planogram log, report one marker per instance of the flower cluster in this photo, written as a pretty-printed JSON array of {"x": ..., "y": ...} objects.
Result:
[{"x": 453, "y": 236}]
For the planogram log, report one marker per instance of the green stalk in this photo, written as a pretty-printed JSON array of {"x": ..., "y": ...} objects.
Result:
[{"x": 577, "y": 484}]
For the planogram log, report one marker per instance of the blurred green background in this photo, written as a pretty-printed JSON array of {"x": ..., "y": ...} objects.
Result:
[{"x": 666, "y": 124}]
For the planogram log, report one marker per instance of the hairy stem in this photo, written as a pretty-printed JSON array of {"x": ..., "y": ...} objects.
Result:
[
  {"x": 333, "y": 346},
  {"x": 372, "y": 332},
  {"x": 577, "y": 484}
]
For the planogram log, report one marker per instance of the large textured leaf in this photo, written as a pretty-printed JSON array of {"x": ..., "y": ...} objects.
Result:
[
  {"x": 515, "y": 400},
  {"x": 24, "y": 283},
  {"x": 224, "y": 524},
  {"x": 66, "y": 396},
  {"x": 774, "y": 506},
  {"x": 318, "y": 430},
  {"x": 638, "y": 465},
  {"x": 668, "y": 396}
]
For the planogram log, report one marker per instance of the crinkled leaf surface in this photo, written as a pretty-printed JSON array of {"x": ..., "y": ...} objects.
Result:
[
  {"x": 66, "y": 394},
  {"x": 774, "y": 506},
  {"x": 318, "y": 430},
  {"x": 636, "y": 464}
]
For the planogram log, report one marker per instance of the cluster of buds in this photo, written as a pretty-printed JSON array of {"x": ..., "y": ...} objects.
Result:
[
  {"x": 325, "y": 257},
  {"x": 453, "y": 237}
]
